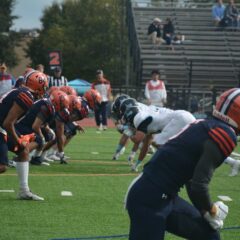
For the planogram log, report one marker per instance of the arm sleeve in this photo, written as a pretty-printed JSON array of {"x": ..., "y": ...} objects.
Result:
[
  {"x": 24, "y": 100},
  {"x": 144, "y": 125},
  {"x": 43, "y": 114},
  {"x": 147, "y": 91},
  {"x": 197, "y": 188}
]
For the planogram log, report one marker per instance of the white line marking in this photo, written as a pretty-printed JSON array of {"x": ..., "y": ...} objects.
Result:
[
  {"x": 225, "y": 198},
  {"x": 7, "y": 191},
  {"x": 66, "y": 193},
  {"x": 95, "y": 153}
]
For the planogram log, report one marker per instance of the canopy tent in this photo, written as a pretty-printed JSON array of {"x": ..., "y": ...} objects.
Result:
[{"x": 80, "y": 85}]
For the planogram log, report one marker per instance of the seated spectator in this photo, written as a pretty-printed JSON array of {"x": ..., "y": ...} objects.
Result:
[
  {"x": 7, "y": 81},
  {"x": 168, "y": 31},
  {"x": 231, "y": 15},
  {"x": 154, "y": 32},
  {"x": 218, "y": 13}
]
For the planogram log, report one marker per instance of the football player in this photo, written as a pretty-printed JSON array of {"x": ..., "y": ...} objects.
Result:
[
  {"x": 159, "y": 125},
  {"x": 13, "y": 106},
  {"x": 190, "y": 158},
  {"x": 37, "y": 120},
  {"x": 153, "y": 120},
  {"x": 119, "y": 106}
]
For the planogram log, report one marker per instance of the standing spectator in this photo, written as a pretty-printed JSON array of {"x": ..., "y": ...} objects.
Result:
[
  {"x": 154, "y": 32},
  {"x": 103, "y": 86},
  {"x": 218, "y": 13},
  {"x": 231, "y": 15},
  {"x": 6, "y": 80},
  {"x": 155, "y": 90},
  {"x": 57, "y": 79}
]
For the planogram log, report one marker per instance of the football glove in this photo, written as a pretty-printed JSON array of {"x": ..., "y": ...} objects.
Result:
[
  {"x": 24, "y": 140},
  {"x": 217, "y": 215}
]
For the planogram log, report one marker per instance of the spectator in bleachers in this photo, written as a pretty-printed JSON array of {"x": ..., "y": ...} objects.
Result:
[
  {"x": 218, "y": 13},
  {"x": 7, "y": 81},
  {"x": 231, "y": 15},
  {"x": 168, "y": 31},
  {"x": 155, "y": 91},
  {"x": 154, "y": 32}
]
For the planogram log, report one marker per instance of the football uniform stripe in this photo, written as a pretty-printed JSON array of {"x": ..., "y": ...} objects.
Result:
[
  {"x": 219, "y": 143},
  {"x": 227, "y": 138},
  {"x": 26, "y": 99},
  {"x": 224, "y": 142}
]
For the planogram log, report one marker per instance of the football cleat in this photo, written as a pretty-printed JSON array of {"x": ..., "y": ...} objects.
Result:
[
  {"x": 235, "y": 168},
  {"x": 47, "y": 159},
  {"x": 28, "y": 195},
  {"x": 11, "y": 164},
  {"x": 54, "y": 157},
  {"x": 116, "y": 156}
]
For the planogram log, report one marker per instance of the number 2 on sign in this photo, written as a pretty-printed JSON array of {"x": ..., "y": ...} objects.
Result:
[{"x": 54, "y": 58}]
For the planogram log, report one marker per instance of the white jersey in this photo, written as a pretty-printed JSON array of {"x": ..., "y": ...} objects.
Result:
[{"x": 164, "y": 121}]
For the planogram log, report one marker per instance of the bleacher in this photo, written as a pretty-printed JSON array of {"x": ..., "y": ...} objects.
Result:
[{"x": 208, "y": 57}]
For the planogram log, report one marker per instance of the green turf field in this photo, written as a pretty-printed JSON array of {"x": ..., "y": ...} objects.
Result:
[{"x": 98, "y": 185}]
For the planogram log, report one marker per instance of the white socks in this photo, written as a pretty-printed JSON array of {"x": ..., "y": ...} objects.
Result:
[
  {"x": 230, "y": 161},
  {"x": 22, "y": 172}
]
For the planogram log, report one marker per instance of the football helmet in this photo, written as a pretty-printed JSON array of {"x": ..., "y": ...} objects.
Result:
[
  {"x": 93, "y": 98},
  {"x": 36, "y": 82},
  {"x": 68, "y": 90},
  {"x": 59, "y": 99},
  {"x": 115, "y": 109},
  {"x": 129, "y": 114},
  {"x": 228, "y": 108},
  {"x": 78, "y": 106},
  {"x": 130, "y": 102},
  {"x": 53, "y": 88}
]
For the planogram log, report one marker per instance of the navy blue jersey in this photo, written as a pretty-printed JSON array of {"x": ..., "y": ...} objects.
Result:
[
  {"x": 21, "y": 96},
  {"x": 173, "y": 165},
  {"x": 43, "y": 109}
]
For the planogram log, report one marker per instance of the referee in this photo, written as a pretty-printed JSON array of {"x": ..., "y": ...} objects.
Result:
[{"x": 57, "y": 79}]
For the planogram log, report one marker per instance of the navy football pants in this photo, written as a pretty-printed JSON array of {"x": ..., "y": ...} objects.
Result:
[
  {"x": 101, "y": 114},
  {"x": 152, "y": 213}
]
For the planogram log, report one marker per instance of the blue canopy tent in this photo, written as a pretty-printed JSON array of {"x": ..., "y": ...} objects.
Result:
[{"x": 80, "y": 85}]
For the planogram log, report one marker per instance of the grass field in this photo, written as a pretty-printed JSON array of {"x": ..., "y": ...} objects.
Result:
[{"x": 98, "y": 185}]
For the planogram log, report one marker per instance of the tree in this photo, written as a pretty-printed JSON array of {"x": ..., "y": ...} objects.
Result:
[
  {"x": 89, "y": 34},
  {"x": 8, "y": 39}
]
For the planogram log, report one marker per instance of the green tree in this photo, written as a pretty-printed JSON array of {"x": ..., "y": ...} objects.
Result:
[
  {"x": 8, "y": 39},
  {"x": 90, "y": 35}
]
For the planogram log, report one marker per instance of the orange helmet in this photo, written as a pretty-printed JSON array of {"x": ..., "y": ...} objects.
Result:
[
  {"x": 74, "y": 103},
  {"x": 36, "y": 82},
  {"x": 59, "y": 100},
  {"x": 93, "y": 98},
  {"x": 78, "y": 106},
  {"x": 228, "y": 107},
  {"x": 53, "y": 88},
  {"x": 68, "y": 90}
]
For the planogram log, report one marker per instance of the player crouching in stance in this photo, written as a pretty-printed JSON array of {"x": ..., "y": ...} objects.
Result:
[
  {"x": 66, "y": 125},
  {"x": 189, "y": 159},
  {"x": 42, "y": 113},
  {"x": 13, "y": 106},
  {"x": 119, "y": 106}
]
